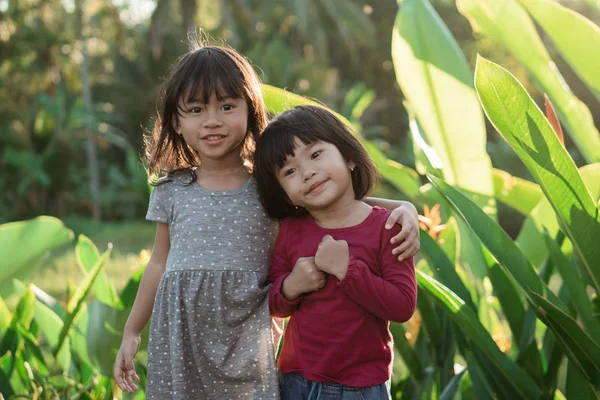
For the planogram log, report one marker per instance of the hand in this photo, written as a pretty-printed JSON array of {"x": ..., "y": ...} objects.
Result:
[
  {"x": 409, "y": 236},
  {"x": 333, "y": 257},
  {"x": 304, "y": 278},
  {"x": 124, "y": 372}
]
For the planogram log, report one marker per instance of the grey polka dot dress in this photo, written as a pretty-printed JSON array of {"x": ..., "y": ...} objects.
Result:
[{"x": 211, "y": 335}]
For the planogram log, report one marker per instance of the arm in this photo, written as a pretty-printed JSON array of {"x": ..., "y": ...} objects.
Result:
[
  {"x": 280, "y": 305},
  {"x": 406, "y": 215},
  {"x": 391, "y": 296},
  {"x": 142, "y": 309},
  {"x": 289, "y": 284}
]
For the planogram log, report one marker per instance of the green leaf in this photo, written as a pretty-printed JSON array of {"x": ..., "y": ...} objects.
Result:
[
  {"x": 24, "y": 245},
  {"x": 76, "y": 301},
  {"x": 497, "y": 241},
  {"x": 410, "y": 357},
  {"x": 519, "y": 194},
  {"x": 508, "y": 23},
  {"x": 577, "y": 387},
  {"x": 443, "y": 269},
  {"x": 508, "y": 295},
  {"x": 87, "y": 256},
  {"x": 5, "y": 317},
  {"x": 403, "y": 178},
  {"x": 576, "y": 38},
  {"x": 22, "y": 316},
  {"x": 509, "y": 373},
  {"x": 435, "y": 77},
  {"x": 579, "y": 347},
  {"x": 531, "y": 237},
  {"x": 577, "y": 289},
  {"x": 451, "y": 389},
  {"x": 521, "y": 123}
]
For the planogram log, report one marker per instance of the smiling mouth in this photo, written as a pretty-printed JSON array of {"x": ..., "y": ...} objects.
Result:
[
  {"x": 213, "y": 138},
  {"x": 315, "y": 186}
]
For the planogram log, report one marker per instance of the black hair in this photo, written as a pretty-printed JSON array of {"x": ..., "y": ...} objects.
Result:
[
  {"x": 308, "y": 124},
  {"x": 203, "y": 71}
]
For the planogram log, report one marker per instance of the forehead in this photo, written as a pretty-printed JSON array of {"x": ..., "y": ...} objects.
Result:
[{"x": 300, "y": 148}]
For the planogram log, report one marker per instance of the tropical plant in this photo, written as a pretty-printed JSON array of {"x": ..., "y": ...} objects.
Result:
[{"x": 52, "y": 350}]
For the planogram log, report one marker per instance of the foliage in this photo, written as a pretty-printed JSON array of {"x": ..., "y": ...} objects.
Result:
[
  {"x": 49, "y": 349},
  {"x": 497, "y": 317}
]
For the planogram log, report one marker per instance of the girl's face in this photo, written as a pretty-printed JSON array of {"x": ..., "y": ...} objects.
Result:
[
  {"x": 317, "y": 177},
  {"x": 216, "y": 130}
]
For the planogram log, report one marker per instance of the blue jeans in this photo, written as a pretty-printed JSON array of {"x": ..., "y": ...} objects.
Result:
[{"x": 295, "y": 387}]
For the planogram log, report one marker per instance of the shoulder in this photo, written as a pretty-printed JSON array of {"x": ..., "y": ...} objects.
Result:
[{"x": 379, "y": 217}]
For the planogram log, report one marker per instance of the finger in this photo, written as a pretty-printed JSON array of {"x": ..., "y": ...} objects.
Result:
[
  {"x": 392, "y": 219},
  {"x": 326, "y": 238},
  {"x": 401, "y": 236},
  {"x": 408, "y": 253},
  {"x": 400, "y": 250},
  {"x": 130, "y": 383},
  {"x": 123, "y": 383}
]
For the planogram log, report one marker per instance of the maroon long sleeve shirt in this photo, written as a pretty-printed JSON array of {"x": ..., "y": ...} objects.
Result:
[{"x": 341, "y": 332}]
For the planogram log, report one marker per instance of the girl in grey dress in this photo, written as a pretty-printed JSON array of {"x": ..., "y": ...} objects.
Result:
[{"x": 211, "y": 335}]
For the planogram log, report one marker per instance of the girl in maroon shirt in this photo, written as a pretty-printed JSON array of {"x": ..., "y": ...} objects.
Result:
[{"x": 333, "y": 272}]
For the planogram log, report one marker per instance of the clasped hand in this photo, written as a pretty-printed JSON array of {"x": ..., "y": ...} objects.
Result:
[{"x": 310, "y": 273}]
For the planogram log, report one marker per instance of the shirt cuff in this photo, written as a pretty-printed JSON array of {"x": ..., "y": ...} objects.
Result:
[
  {"x": 354, "y": 267},
  {"x": 277, "y": 289}
]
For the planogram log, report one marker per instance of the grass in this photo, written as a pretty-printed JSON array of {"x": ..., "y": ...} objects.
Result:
[{"x": 128, "y": 240}]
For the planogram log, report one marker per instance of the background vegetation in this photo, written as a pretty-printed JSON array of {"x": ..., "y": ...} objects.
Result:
[{"x": 509, "y": 274}]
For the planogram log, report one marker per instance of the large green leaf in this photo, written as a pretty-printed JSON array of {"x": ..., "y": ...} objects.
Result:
[
  {"x": 87, "y": 256},
  {"x": 509, "y": 24},
  {"x": 577, "y": 289},
  {"x": 24, "y": 245},
  {"x": 576, "y": 38},
  {"x": 435, "y": 77},
  {"x": 403, "y": 178},
  {"x": 49, "y": 322},
  {"x": 579, "y": 347},
  {"x": 517, "y": 193},
  {"x": 497, "y": 241},
  {"x": 509, "y": 373},
  {"x": 521, "y": 123},
  {"x": 443, "y": 269},
  {"x": 76, "y": 302},
  {"x": 543, "y": 218}
]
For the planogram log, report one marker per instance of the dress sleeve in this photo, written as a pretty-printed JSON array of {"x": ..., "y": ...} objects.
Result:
[
  {"x": 391, "y": 296},
  {"x": 157, "y": 209},
  {"x": 279, "y": 270}
]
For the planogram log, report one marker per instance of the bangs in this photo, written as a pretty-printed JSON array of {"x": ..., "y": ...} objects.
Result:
[
  {"x": 279, "y": 140},
  {"x": 210, "y": 72}
]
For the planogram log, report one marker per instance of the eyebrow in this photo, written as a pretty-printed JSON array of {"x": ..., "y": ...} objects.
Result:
[
  {"x": 199, "y": 101},
  {"x": 307, "y": 148}
]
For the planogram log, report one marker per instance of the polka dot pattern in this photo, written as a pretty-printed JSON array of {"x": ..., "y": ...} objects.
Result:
[{"x": 211, "y": 334}]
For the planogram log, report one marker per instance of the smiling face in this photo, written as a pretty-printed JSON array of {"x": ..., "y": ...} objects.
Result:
[
  {"x": 216, "y": 130},
  {"x": 316, "y": 176}
]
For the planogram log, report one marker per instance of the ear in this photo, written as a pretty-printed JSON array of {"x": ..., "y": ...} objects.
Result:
[{"x": 351, "y": 165}]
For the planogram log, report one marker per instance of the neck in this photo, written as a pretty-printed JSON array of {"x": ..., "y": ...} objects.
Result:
[
  {"x": 222, "y": 167},
  {"x": 343, "y": 214}
]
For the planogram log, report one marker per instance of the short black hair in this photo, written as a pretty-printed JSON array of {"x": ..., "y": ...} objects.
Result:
[{"x": 308, "y": 124}]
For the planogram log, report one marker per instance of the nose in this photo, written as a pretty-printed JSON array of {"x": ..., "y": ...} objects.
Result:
[
  {"x": 211, "y": 121},
  {"x": 308, "y": 173}
]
